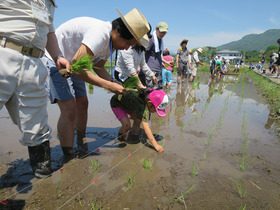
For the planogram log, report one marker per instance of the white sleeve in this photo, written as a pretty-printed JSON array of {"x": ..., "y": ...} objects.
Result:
[
  {"x": 195, "y": 56},
  {"x": 128, "y": 62}
]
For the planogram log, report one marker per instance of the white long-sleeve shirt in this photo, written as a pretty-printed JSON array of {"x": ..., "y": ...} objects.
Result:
[{"x": 128, "y": 62}]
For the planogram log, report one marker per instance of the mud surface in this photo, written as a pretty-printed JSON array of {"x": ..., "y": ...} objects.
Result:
[{"x": 221, "y": 152}]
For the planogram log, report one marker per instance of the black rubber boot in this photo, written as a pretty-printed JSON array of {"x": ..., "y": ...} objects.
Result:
[
  {"x": 82, "y": 146},
  {"x": 40, "y": 159},
  {"x": 68, "y": 154}
]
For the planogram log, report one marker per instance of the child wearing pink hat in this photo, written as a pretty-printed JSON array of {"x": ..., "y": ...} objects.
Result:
[{"x": 137, "y": 104}]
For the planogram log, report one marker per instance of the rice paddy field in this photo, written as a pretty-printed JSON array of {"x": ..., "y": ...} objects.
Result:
[{"x": 222, "y": 151}]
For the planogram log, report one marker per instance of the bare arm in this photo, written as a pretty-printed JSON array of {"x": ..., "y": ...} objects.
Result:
[
  {"x": 101, "y": 71},
  {"x": 165, "y": 61},
  {"x": 53, "y": 49},
  {"x": 177, "y": 61},
  {"x": 89, "y": 77},
  {"x": 150, "y": 136}
]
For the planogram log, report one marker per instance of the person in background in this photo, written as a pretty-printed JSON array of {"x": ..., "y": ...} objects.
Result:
[
  {"x": 195, "y": 63},
  {"x": 153, "y": 54},
  {"x": 182, "y": 61},
  {"x": 167, "y": 69},
  {"x": 219, "y": 58},
  {"x": 227, "y": 65},
  {"x": 128, "y": 63},
  {"x": 272, "y": 69},
  {"x": 213, "y": 71},
  {"x": 137, "y": 105},
  {"x": 262, "y": 61},
  {"x": 259, "y": 67},
  {"x": 89, "y": 36},
  {"x": 276, "y": 64},
  {"x": 237, "y": 67},
  {"x": 190, "y": 66},
  {"x": 24, "y": 34}
]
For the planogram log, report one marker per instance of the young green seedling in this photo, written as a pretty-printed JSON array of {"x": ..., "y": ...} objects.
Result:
[
  {"x": 95, "y": 164},
  {"x": 146, "y": 163},
  {"x": 194, "y": 172},
  {"x": 130, "y": 181}
]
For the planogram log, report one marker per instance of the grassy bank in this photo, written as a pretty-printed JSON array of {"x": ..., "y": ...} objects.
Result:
[{"x": 269, "y": 89}]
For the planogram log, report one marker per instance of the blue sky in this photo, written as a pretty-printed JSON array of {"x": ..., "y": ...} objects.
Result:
[{"x": 202, "y": 22}]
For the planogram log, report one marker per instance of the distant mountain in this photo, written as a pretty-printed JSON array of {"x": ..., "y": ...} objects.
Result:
[{"x": 253, "y": 42}]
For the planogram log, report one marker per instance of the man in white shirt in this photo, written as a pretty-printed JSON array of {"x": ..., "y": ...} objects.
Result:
[
  {"x": 77, "y": 38},
  {"x": 195, "y": 62}
]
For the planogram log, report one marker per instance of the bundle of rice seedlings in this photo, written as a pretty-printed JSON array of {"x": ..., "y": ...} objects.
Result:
[
  {"x": 82, "y": 65},
  {"x": 131, "y": 85}
]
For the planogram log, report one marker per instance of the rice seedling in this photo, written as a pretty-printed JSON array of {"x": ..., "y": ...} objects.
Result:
[
  {"x": 58, "y": 194},
  {"x": 95, "y": 166},
  {"x": 196, "y": 117},
  {"x": 222, "y": 114},
  {"x": 241, "y": 186},
  {"x": 94, "y": 207},
  {"x": 210, "y": 138},
  {"x": 244, "y": 121},
  {"x": 130, "y": 181},
  {"x": 203, "y": 111},
  {"x": 80, "y": 202},
  {"x": 194, "y": 172},
  {"x": 82, "y": 65},
  {"x": 181, "y": 198},
  {"x": 182, "y": 126},
  {"x": 242, "y": 207},
  {"x": 204, "y": 155},
  {"x": 90, "y": 86},
  {"x": 245, "y": 159},
  {"x": 146, "y": 163},
  {"x": 243, "y": 86}
]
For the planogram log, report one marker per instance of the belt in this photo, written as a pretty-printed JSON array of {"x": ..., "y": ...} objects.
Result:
[{"x": 30, "y": 51}]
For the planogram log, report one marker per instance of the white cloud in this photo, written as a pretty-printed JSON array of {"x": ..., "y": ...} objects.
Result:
[{"x": 273, "y": 21}]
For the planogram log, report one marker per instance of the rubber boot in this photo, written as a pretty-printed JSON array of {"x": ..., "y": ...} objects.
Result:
[
  {"x": 68, "y": 154},
  {"x": 82, "y": 146},
  {"x": 40, "y": 159}
]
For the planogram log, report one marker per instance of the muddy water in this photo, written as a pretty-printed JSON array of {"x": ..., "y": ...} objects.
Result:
[{"x": 206, "y": 126}]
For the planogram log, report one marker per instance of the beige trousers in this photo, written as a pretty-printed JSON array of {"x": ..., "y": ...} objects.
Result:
[{"x": 22, "y": 91}]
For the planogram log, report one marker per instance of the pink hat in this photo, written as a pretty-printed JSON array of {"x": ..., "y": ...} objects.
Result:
[{"x": 160, "y": 101}]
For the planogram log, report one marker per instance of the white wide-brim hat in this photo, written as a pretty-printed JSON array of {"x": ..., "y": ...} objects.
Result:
[
  {"x": 199, "y": 50},
  {"x": 137, "y": 25}
]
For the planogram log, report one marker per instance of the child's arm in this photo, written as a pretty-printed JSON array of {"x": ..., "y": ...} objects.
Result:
[{"x": 151, "y": 137}]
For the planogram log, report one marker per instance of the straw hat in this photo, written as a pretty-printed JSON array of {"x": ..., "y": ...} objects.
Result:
[
  {"x": 185, "y": 40},
  {"x": 137, "y": 25}
]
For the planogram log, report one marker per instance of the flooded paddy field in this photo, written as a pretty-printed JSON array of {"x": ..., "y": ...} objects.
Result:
[{"x": 221, "y": 152}]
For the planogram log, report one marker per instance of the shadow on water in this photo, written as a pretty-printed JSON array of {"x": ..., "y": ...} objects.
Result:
[{"x": 12, "y": 204}]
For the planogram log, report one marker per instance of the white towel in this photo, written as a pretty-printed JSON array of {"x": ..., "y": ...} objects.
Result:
[{"x": 157, "y": 48}]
